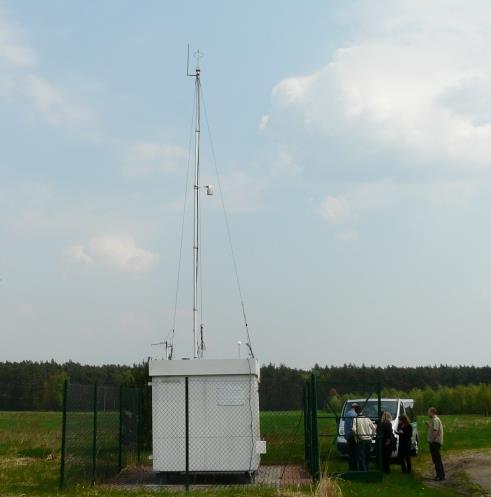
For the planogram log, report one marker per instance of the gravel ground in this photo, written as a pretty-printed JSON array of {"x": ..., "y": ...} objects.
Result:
[
  {"x": 468, "y": 472},
  {"x": 276, "y": 476}
]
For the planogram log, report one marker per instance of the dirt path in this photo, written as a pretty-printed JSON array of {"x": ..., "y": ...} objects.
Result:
[{"x": 468, "y": 472}]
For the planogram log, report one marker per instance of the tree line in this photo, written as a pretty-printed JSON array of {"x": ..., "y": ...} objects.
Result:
[
  {"x": 461, "y": 399},
  {"x": 31, "y": 385},
  {"x": 35, "y": 386}
]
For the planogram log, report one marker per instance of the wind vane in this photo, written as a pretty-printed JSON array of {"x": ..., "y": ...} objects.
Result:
[{"x": 198, "y": 55}]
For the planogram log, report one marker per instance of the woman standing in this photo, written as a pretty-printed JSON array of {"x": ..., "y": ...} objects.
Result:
[
  {"x": 405, "y": 432},
  {"x": 388, "y": 440}
]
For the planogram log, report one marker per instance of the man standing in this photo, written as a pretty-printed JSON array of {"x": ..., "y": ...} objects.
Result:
[
  {"x": 435, "y": 441},
  {"x": 364, "y": 430},
  {"x": 350, "y": 436}
]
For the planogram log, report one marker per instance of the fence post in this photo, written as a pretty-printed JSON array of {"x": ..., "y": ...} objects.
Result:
[
  {"x": 94, "y": 436},
  {"x": 306, "y": 418},
  {"x": 120, "y": 452},
  {"x": 315, "y": 433},
  {"x": 139, "y": 431},
  {"x": 310, "y": 421},
  {"x": 63, "y": 435},
  {"x": 379, "y": 431},
  {"x": 186, "y": 402}
]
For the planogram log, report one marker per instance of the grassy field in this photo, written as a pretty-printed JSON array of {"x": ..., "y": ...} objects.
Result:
[
  {"x": 283, "y": 431},
  {"x": 29, "y": 446},
  {"x": 30, "y": 442}
]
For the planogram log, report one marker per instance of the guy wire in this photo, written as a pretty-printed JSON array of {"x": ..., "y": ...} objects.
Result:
[
  {"x": 229, "y": 235},
  {"x": 200, "y": 271}
]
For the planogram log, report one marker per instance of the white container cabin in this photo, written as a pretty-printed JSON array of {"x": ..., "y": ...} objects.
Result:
[{"x": 223, "y": 415}]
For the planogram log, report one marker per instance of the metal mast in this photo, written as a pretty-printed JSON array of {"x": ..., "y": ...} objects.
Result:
[{"x": 197, "y": 350}]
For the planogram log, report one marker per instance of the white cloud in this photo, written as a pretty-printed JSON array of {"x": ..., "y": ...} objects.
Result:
[
  {"x": 77, "y": 253},
  {"x": 335, "y": 210},
  {"x": 284, "y": 164},
  {"x": 244, "y": 188},
  {"x": 119, "y": 252},
  {"x": 53, "y": 104},
  {"x": 20, "y": 78},
  {"x": 122, "y": 253},
  {"x": 7, "y": 85},
  {"x": 25, "y": 309},
  {"x": 242, "y": 191},
  {"x": 414, "y": 85},
  {"x": 12, "y": 47},
  {"x": 457, "y": 193},
  {"x": 296, "y": 89},
  {"x": 143, "y": 158},
  {"x": 263, "y": 122},
  {"x": 347, "y": 206},
  {"x": 347, "y": 236}
]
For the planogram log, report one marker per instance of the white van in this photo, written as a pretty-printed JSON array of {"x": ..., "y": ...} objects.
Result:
[{"x": 396, "y": 408}]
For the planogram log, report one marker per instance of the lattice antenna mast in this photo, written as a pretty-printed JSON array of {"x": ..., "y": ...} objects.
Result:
[{"x": 198, "y": 344}]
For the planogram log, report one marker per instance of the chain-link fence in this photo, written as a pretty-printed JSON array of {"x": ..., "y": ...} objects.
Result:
[
  {"x": 283, "y": 429},
  {"x": 282, "y": 425},
  {"x": 101, "y": 431},
  {"x": 226, "y": 425}
]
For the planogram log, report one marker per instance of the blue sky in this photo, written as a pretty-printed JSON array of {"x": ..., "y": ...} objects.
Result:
[{"x": 354, "y": 144}]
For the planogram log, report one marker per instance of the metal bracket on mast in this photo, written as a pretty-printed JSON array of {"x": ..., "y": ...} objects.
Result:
[{"x": 168, "y": 346}]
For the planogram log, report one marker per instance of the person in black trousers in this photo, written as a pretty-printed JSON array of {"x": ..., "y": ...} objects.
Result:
[
  {"x": 435, "y": 441},
  {"x": 388, "y": 441},
  {"x": 405, "y": 432}
]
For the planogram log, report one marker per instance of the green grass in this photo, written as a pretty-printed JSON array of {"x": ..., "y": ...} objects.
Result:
[
  {"x": 29, "y": 445},
  {"x": 395, "y": 485},
  {"x": 462, "y": 432},
  {"x": 30, "y": 442}
]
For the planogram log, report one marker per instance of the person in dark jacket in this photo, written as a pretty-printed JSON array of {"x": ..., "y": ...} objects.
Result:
[
  {"x": 405, "y": 432},
  {"x": 388, "y": 440}
]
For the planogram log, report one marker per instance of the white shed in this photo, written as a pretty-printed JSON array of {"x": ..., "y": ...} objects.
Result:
[{"x": 222, "y": 411}]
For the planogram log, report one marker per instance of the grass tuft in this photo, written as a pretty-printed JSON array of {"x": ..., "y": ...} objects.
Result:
[{"x": 327, "y": 487}]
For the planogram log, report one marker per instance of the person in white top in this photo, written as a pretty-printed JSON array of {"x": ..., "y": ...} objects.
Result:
[{"x": 364, "y": 430}]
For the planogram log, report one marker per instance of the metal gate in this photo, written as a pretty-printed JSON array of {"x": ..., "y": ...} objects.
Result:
[
  {"x": 101, "y": 432},
  {"x": 325, "y": 408}
]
